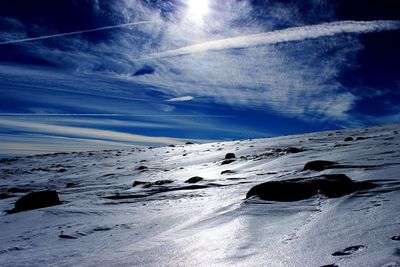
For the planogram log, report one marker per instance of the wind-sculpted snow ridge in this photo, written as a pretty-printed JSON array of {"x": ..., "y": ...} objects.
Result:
[{"x": 334, "y": 201}]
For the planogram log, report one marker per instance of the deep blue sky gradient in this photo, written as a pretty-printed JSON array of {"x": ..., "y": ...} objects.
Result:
[{"x": 110, "y": 80}]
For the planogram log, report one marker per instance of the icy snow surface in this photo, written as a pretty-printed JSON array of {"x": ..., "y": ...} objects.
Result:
[{"x": 105, "y": 221}]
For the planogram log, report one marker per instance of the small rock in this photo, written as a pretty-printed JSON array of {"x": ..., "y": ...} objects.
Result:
[
  {"x": 136, "y": 183},
  {"x": 348, "y": 139},
  {"x": 67, "y": 236},
  {"x": 228, "y": 172},
  {"x": 160, "y": 182},
  {"x": 36, "y": 200},
  {"x": 348, "y": 251},
  {"x": 141, "y": 168},
  {"x": 194, "y": 180},
  {"x": 294, "y": 150},
  {"x": 318, "y": 165},
  {"x": 230, "y": 156},
  {"x": 396, "y": 238},
  {"x": 69, "y": 185},
  {"x": 189, "y": 143}
]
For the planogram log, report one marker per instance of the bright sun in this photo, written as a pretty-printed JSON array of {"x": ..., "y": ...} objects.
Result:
[{"x": 197, "y": 9}]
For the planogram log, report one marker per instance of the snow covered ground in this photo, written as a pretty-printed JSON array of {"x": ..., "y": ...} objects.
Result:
[{"x": 106, "y": 221}]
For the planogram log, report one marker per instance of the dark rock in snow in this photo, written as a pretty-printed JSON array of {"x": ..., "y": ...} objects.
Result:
[
  {"x": 348, "y": 251},
  {"x": 332, "y": 186},
  {"x": 348, "y": 139},
  {"x": 36, "y": 200},
  {"x": 228, "y": 172},
  {"x": 69, "y": 185},
  {"x": 194, "y": 180},
  {"x": 67, "y": 236},
  {"x": 136, "y": 183},
  {"x": 318, "y": 165},
  {"x": 150, "y": 184},
  {"x": 294, "y": 150},
  {"x": 8, "y": 160},
  {"x": 160, "y": 182},
  {"x": 396, "y": 238},
  {"x": 230, "y": 156},
  {"x": 228, "y": 161},
  {"x": 189, "y": 143},
  {"x": 141, "y": 168},
  {"x": 4, "y": 196}
]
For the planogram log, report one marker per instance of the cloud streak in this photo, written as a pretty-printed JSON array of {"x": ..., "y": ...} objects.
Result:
[
  {"x": 77, "y": 32},
  {"x": 285, "y": 35},
  {"x": 180, "y": 99},
  {"x": 112, "y": 115},
  {"x": 86, "y": 132}
]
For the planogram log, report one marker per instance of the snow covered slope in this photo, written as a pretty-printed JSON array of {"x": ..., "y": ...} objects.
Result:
[{"x": 106, "y": 219}]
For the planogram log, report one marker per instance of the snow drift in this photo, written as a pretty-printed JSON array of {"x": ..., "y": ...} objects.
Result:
[{"x": 187, "y": 205}]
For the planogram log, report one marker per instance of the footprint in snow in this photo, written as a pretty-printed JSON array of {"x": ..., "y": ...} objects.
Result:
[{"x": 348, "y": 251}]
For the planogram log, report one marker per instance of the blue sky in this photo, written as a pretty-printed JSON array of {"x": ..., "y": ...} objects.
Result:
[{"x": 86, "y": 75}]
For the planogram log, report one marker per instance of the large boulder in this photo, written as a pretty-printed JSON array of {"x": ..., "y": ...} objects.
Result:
[
  {"x": 332, "y": 186},
  {"x": 36, "y": 200}
]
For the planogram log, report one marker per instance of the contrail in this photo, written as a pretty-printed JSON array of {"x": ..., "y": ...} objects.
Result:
[
  {"x": 75, "y": 32},
  {"x": 108, "y": 115},
  {"x": 286, "y": 35}
]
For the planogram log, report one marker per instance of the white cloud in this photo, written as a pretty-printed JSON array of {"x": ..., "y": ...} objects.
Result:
[
  {"x": 85, "y": 132},
  {"x": 293, "y": 79},
  {"x": 180, "y": 99},
  {"x": 285, "y": 35}
]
